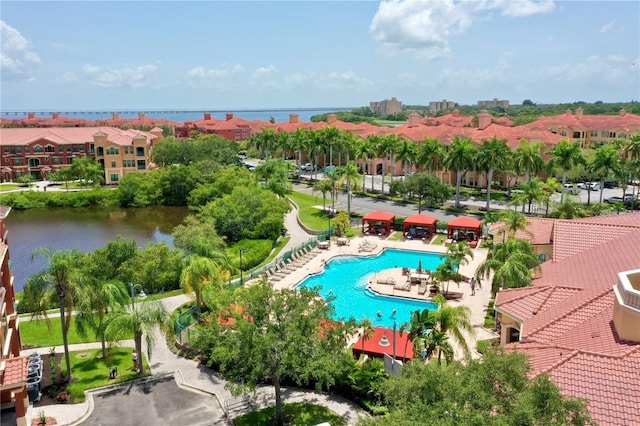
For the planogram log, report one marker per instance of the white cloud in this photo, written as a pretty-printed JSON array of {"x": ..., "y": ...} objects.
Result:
[
  {"x": 614, "y": 69},
  {"x": 424, "y": 27},
  {"x": 607, "y": 27},
  {"x": 264, "y": 71},
  {"x": 69, "y": 76},
  {"x": 17, "y": 60},
  {"x": 213, "y": 73},
  {"x": 141, "y": 76}
]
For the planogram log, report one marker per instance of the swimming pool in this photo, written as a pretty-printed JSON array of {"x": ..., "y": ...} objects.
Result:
[{"x": 346, "y": 279}]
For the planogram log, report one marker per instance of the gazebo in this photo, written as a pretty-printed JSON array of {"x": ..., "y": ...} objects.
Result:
[
  {"x": 419, "y": 226},
  {"x": 464, "y": 229},
  {"x": 377, "y": 220},
  {"x": 381, "y": 343}
]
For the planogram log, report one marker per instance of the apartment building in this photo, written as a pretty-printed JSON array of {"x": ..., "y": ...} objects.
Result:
[
  {"x": 435, "y": 106},
  {"x": 495, "y": 103},
  {"x": 13, "y": 367},
  {"x": 386, "y": 108},
  {"x": 41, "y": 152}
]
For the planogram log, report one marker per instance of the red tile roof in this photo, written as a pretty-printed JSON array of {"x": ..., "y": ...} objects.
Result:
[
  {"x": 373, "y": 348},
  {"x": 67, "y": 135},
  {"x": 15, "y": 371}
]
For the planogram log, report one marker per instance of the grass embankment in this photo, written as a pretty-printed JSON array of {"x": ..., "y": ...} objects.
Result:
[
  {"x": 312, "y": 217},
  {"x": 36, "y": 333},
  {"x": 90, "y": 371},
  {"x": 11, "y": 186},
  {"x": 296, "y": 414}
]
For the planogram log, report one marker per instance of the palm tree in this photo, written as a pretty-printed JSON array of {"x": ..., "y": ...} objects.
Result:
[
  {"x": 350, "y": 179},
  {"x": 199, "y": 274},
  {"x": 142, "y": 320},
  {"x": 367, "y": 331},
  {"x": 59, "y": 279},
  {"x": 407, "y": 152},
  {"x": 364, "y": 150},
  {"x": 528, "y": 159},
  {"x": 334, "y": 177},
  {"x": 460, "y": 158},
  {"x": 453, "y": 321},
  {"x": 300, "y": 142},
  {"x": 79, "y": 166},
  {"x": 565, "y": 155},
  {"x": 532, "y": 190},
  {"x": 431, "y": 153},
  {"x": 418, "y": 327},
  {"x": 94, "y": 172},
  {"x": 514, "y": 221},
  {"x": 606, "y": 161},
  {"x": 511, "y": 264},
  {"x": 66, "y": 174},
  {"x": 492, "y": 155},
  {"x": 323, "y": 186}
]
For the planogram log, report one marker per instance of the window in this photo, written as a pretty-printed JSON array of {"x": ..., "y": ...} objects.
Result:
[
  {"x": 128, "y": 163},
  {"x": 563, "y": 133},
  {"x": 141, "y": 165},
  {"x": 604, "y": 134},
  {"x": 113, "y": 151},
  {"x": 128, "y": 150},
  {"x": 68, "y": 148},
  {"x": 622, "y": 135},
  {"x": 5, "y": 149},
  {"x": 18, "y": 162},
  {"x": 612, "y": 134},
  {"x": 594, "y": 133},
  {"x": 37, "y": 148},
  {"x": 26, "y": 150},
  {"x": 140, "y": 152},
  {"x": 113, "y": 164},
  {"x": 49, "y": 148},
  {"x": 114, "y": 177},
  {"x": 57, "y": 160}
]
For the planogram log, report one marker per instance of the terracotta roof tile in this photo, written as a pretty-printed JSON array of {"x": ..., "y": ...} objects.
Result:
[
  {"x": 15, "y": 371},
  {"x": 572, "y": 237}
]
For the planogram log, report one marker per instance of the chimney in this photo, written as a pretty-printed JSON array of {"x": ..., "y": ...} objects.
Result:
[
  {"x": 414, "y": 119},
  {"x": 579, "y": 112},
  {"x": 331, "y": 118},
  {"x": 141, "y": 116},
  {"x": 207, "y": 116},
  {"x": 456, "y": 113},
  {"x": 484, "y": 119},
  {"x": 115, "y": 116},
  {"x": 568, "y": 112},
  {"x": 293, "y": 118},
  {"x": 31, "y": 115},
  {"x": 622, "y": 112},
  {"x": 229, "y": 116},
  {"x": 54, "y": 115}
]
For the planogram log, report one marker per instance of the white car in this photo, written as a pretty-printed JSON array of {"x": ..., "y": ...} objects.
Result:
[
  {"x": 570, "y": 188},
  {"x": 308, "y": 167}
]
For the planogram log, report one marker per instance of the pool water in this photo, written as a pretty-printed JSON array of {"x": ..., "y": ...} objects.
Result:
[{"x": 346, "y": 278}]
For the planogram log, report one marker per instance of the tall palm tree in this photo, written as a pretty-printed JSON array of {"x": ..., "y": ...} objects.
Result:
[
  {"x": 367, "y": 331},
  {"x": 300, "y": 142},
  {"x": 417, "y": 327},
  {"x": 364, "y": 151},
  {"x": 392, "y": 143},
  {"x": 60, "y": 279},
  {"x": 334, "y": 177},
  {"x": 532, "y": 190},
  {"x": 437, "y": 340},
  {"x": 94, "y": 172},
  {"x": 606, "y": 161},
  {"x": 565, "y": 155},
  {"x": 323, "y": 186},
  {"x": 492, "y": 155},
  {"x": 330, "y": 136},
  {"x": 453, "y": 321},
  {"x": 511, "y": 263},
  {"x": 431, "y": 153},
  {"x": 142, "y": 320},
  {"x": 460, "y": 158},
  {"x": 199, "y": 274},
  {"x": 514, "y": 221},
  {"x": 407, "y": 152},
  {"x": 350, "y": 179},
  {"x": 528, "y": 158}
]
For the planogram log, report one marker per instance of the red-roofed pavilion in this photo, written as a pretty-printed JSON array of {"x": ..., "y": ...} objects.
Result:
[
  {"x": 420, "y": 221},
  {"x": 374, "y": 349},
  {"x": 463, "y": 225},
  {"x": 377, "y": 218}
]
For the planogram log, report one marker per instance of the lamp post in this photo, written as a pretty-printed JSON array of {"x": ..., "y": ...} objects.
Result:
[
  {"x": 241, "y": 252},
  {"x": 141, "y": 295},
  {"x": 393, "y": 314}
]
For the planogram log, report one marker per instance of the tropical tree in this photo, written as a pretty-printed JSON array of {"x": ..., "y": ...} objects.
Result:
[
  {"x": 565, "y": 155},
  {"x": 79, "y": 166},
  {"x": 514, "y": 221},
  {"x": 528, "y": 158},
  {"x": 142, "y": 320},
  {"x": 512, "y": 264},
  {"x": 64, "y": 174},
  {"x": 60, "y": 279},
  {"x": 199, "y": 275},
  {"x": 532, "y": 191},
  {"x": 418, "y": 327},
  {"x": 606, "y": 161},
  {"x": 453, "y": 321},
  {"x": 493, "y": 155},
  {"x": 323, "y": 186},
  {"x": 460, "y": 158},
  {"x": 367, "y": 331},
  {"x": 431, "y": 154},
  {"x": 428, "y": 188},
  {"x": 94, "y": 172},
  {"x": 364, "y": 151},
  {"x": 334, "y": 176},
  {"x": 349, "y": 179},
  {"x": 407, "y": 152}
]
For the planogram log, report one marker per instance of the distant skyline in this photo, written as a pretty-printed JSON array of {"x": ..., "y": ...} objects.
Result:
[{"x": 92, "y": 55}]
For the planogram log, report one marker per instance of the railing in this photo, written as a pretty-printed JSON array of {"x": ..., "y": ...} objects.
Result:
[{"x": 183, "y": 325}]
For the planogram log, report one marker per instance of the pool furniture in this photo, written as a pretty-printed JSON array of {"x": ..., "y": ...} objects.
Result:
[{"x": 323, "y": 245}]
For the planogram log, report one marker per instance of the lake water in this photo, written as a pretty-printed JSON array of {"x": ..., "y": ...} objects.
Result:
[{"x": 84, "y": 229}]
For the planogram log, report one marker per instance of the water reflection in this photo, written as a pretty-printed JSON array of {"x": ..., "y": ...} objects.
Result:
[{"x": 84, "y": 229}]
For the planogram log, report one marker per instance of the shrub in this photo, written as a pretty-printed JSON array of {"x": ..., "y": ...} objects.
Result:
[{"x": 254, "y": 252}]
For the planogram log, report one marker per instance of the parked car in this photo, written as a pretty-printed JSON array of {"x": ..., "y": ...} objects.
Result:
[
  {"x": 593, "y": 186},
  {"x": 626, "y": 200},
  {"x": 308, "y": 167},
  {"x": 609, "y": 184},
  {"x": 571, "y": 188},
  {"x": 513, "y": 193}
]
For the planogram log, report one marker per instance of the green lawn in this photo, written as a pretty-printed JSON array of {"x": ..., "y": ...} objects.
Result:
[
  {"x": 9, "y": 186},
  {"x": 439, "y": 240},
  {"x": 36, "y": 333},
  {"x": 296, "y": 414},
  {"x": 90, "y": 372},
  {"x": 312, "y": 218}
]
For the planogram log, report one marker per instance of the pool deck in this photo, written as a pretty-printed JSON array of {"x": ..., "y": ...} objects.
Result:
[{"x": 373, "y": 245}]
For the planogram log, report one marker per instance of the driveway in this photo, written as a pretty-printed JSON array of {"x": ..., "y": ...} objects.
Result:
[{"x": 152, "y": 402}]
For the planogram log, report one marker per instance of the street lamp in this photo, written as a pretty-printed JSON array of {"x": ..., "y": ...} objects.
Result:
[
  {"x": 141, "y": 295},
  {"x": 241, "y": 252},
  {"x": 393, "y": 314}
]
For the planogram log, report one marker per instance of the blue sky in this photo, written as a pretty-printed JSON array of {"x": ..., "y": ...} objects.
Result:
[{"x": 93, "y": 55}]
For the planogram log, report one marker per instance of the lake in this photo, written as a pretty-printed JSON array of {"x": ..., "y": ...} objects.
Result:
[{"x": 84, "y": 229}]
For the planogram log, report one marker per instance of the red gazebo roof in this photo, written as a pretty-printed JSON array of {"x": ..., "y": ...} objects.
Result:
[
  {"x": 379, "y": 215},
  {"x": 421, "y": 219},
  {"x": 465, "y": 222},
  {"x": 373, "y": 348}
]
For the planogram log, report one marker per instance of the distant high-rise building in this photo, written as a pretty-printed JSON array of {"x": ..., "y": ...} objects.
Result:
[
  {"x": 386, "y": 108},
  {"x": 494, "y": 103},
  {"x": 435, "y": 106}
]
